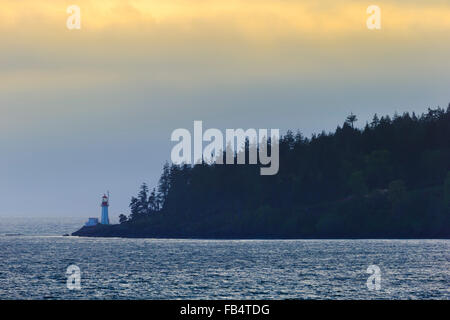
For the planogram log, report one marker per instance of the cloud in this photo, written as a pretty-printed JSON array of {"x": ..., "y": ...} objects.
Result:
[
  {"x": 158, "y": 50},
  {"x": 262, "y": 18}
]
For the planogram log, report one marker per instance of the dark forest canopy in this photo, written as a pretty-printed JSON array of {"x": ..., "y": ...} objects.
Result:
[{"x": 390, "y": 179}]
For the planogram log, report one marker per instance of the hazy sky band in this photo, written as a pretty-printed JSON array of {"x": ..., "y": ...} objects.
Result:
[{"x": 88, "y": 110}]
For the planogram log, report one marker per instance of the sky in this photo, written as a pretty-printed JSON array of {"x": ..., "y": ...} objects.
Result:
[{"x": 89, "y": 110}]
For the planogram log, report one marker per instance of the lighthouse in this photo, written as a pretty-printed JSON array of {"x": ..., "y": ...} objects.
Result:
[{"x": 105, "y": 205}]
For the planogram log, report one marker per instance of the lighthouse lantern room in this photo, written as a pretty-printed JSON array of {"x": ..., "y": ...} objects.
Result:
[{"x": 105, "y": 205}]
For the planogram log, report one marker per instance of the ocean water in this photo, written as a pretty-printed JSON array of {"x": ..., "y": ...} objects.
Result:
[{"x": 33, "y": 265}]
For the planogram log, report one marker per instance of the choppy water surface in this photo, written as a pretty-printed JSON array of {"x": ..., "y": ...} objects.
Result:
[{"x": 34, "y": 267}]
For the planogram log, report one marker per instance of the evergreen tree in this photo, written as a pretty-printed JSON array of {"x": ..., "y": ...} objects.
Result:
[
  {"x": 122, "y": 218},
  {"x": 153, "y": 202},
  {"x": 163, "y": 187},
  {"x": 375, "y": 121},
  {"x": 351, "y": 119},
  {"x": 140, "y": 206}
]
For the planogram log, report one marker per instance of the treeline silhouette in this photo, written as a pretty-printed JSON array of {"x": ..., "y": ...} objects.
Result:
[{"x": 390, "y": 179}]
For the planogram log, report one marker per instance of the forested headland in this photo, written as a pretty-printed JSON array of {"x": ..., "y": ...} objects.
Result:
[{"x": 388, "y": 179}]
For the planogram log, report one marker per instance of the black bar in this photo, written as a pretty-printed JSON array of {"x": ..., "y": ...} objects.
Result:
[{"x": 225, "y": 309}]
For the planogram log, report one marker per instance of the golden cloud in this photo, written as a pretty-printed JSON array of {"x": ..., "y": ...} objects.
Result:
[{"x": 260, "y": 19}]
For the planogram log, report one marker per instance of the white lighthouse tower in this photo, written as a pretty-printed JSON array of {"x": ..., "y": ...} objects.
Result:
[{"x": 105, "y": 205}]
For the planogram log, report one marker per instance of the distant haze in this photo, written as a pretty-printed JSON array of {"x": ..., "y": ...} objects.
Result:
[{"x": 90, "y": 110}]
